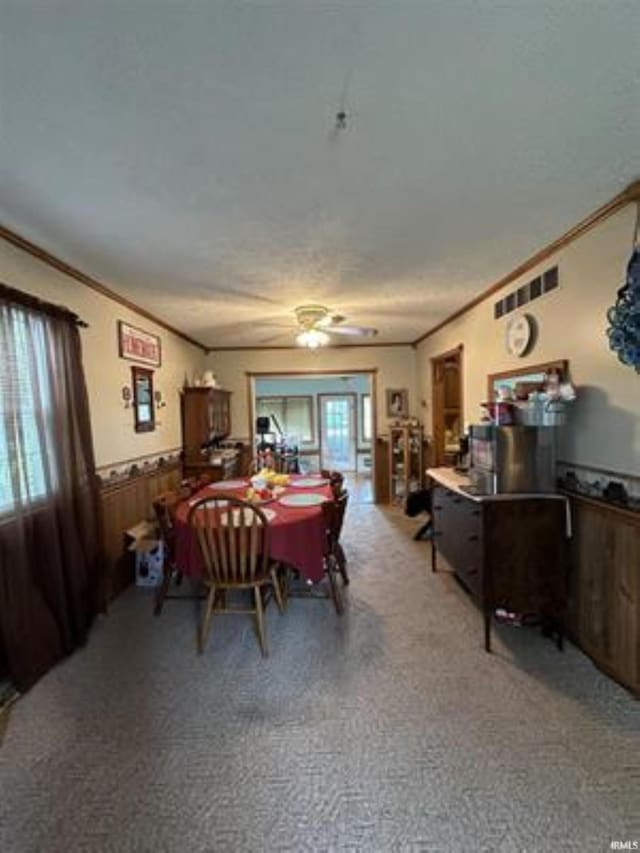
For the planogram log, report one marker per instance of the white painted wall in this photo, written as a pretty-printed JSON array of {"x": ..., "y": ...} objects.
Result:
[
  {"x": 106, "y": 373},
  {"x": 396, "y": 368},
  {"x": 604, "y": 427}
]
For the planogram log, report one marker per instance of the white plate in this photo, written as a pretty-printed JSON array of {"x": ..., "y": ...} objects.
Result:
[
  {"x": 228, "y": 484},
  {"x": 303, "y": 499},
  {"x": 309, "y": 483},
  {"x": 269, "y": 513}
]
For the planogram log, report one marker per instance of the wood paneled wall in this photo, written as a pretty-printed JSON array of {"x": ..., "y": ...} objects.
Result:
[
  {"x": 124, "y": 504},
  {"x": 604, "y": 600}
]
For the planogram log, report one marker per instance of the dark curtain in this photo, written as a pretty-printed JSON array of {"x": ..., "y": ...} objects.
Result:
[{"x": 51, "y": 578}]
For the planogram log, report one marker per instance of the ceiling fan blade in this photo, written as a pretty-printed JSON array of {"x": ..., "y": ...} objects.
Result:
[
  {"x": 275, "y": 324},
  {"x": 330, "y": 320},
  {"x": 354, "y": 331},
  {"x": 214, "y": 291},
  {"x": 275, "y": 337}
]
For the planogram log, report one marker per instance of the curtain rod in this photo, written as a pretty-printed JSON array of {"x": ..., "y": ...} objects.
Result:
[{"x": 19, "y": 297}]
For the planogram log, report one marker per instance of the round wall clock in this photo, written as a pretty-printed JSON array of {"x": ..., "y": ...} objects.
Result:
[{"x": 519, "y": 334}]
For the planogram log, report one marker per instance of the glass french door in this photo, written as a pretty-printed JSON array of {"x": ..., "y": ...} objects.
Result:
[{"x": 338, "y": 432}]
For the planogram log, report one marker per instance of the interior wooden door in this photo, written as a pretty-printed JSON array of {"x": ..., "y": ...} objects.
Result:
[{"x": 446, "y": 379}]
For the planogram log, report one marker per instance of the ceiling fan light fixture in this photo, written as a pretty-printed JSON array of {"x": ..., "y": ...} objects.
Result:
[{"x": 312, "y": 339}]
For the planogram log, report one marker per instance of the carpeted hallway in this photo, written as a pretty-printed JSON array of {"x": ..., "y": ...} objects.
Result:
[{"x": 386, "y": 729}]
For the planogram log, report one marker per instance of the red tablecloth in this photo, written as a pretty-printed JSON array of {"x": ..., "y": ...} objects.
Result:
[{"x": 297, "y": 534}]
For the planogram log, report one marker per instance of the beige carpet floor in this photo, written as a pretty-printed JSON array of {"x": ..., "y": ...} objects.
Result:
[{"x": 386, "y": 729}]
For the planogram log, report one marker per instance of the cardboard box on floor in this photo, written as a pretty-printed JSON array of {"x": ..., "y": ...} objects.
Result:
[{"x": 149, "y": 551}]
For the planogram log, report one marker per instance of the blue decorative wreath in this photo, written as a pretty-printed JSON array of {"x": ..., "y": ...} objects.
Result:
[{"x": 624, "y": 316}]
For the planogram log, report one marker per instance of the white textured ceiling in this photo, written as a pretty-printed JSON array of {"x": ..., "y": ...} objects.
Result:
[{"x": 185, "y": 153}]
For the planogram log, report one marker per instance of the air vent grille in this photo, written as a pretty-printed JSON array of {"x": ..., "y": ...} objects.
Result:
[{"x": 526, "y": 293}]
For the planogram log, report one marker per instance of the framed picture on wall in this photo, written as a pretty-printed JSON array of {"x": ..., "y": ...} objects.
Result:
[
  {"x": 137, "y": 345},
  {"x": 397, "y": 403}
]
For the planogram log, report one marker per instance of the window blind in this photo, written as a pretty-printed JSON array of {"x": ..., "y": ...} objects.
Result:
[
  {"x": 294, "y": 414},
  {"x": 26, "y": 470}
]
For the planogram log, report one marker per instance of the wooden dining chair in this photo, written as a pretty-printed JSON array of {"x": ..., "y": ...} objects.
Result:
[
  {"x": 189, "y": 486},
  {"x": 335, "y": 560},
  {"x": 202, "y": 480},
  {"x": 233, "y": 536},
  {"x": 335, "y": 478},
  {"x": 164, "y": 507},
  {"x": 340, "y": 501}
]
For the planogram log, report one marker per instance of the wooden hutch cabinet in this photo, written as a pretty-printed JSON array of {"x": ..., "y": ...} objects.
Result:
[
  {"x": 405, "y": 461},
  {"x": 206, "y": 416}
]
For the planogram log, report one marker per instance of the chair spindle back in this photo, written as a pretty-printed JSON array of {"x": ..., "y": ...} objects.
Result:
[{"x": 233, "y": 536}]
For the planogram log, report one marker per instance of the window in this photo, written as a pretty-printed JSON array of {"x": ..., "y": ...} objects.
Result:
[
  {"x": 366, "y": 417},
  {"x": 26, "y": 473},
  {"x": 294, "y": 414}
]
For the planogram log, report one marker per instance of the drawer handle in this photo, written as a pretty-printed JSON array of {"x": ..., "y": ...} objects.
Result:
[
  {"x": 472, "y": 571},
  {"x": 475, "y": 512},
  {"x": 457, "y": 500},
  {"x": 474, "y": 538},
  {"x": 437, "y": 507}
]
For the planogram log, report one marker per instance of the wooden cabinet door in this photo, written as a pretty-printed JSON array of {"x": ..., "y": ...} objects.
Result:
[
  {"x": 625, "y": 642},
  {"x": 605, "y": 590},
  {"x": 220, "y": 412},
  {"x": 593, "y": 547}
]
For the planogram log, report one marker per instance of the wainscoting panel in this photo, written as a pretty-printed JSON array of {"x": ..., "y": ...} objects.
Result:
[
  {"x": 604, "y": 601},
  {"x": 124, "y": 503}
]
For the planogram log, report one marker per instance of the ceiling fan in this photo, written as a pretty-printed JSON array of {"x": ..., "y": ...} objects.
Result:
[{"x": 317, "y": 324}]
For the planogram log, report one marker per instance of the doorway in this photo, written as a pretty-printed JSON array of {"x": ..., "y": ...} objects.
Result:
[
  {"x": 446, "y": 376},
  {"x": 329, "y": 416},
  {"x": 338, "y": 438}
]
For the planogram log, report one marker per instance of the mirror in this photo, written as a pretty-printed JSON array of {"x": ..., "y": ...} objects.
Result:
[
  {"x": 524, "y": 380},
  {"x": 143, "y": 408}
]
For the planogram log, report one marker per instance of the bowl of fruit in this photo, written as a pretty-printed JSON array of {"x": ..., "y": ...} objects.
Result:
[{"x": 258, "y": 496}]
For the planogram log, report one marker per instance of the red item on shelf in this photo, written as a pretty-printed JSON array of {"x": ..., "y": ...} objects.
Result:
[{"x": 501, "y": 412}]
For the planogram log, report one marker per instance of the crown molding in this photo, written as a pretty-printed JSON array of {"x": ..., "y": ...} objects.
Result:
[
  {"x": 319, "y": 349},
  {"x": 73, "y": 272},
  {"x": 629, "y": 195},
  {"x": 334, "y": 371}
]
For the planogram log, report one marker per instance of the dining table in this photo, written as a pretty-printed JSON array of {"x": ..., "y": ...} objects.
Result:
[{"x": 297, "y": 534}]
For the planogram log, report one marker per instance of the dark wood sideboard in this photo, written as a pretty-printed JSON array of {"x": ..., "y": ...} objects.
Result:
[{"x": 510, "y": 554}]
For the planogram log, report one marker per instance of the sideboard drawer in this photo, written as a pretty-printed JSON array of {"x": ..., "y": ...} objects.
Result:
[{"x": 458, "y": 528}]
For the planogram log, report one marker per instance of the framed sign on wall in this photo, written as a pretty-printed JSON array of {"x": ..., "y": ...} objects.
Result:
[{"x": 137, "y": 345}]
